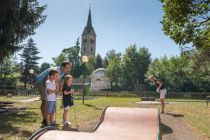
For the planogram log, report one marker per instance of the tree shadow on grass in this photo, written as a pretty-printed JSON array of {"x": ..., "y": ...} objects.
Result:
[
  {"x": 6, "y": 104},
  {"x": 93, "y": 106},
  {"x": 12, "y": 122}
]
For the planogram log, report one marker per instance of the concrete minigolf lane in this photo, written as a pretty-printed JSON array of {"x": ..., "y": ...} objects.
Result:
[{"x": 118, "y": 123}]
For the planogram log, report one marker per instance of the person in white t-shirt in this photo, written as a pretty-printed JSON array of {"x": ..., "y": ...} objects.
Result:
[{"x": 51, "y": 96}]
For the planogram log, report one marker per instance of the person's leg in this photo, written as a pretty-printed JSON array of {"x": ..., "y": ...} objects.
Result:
[
  {"x": 162, "y": 99},
  {"x": 43, "y": 109},
  {"x": 49, "y": 105},
  {"x": 65, "y": 115},
  {"x": 43, "y": 103},
  {"x": 52, "y": 116},
  {"x": 48, "y": 118},
  {"x": 162, "y": 105}
]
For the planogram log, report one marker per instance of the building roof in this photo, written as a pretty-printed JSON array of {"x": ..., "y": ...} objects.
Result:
[{"x": 89, "y": 28}]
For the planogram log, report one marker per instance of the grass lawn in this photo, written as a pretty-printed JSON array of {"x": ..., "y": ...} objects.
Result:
[
  {"x": 25, "y": 118},
  {"x": 14, "y": 98}
]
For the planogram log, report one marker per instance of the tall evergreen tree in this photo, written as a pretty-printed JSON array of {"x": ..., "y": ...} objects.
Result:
[
  {"x": 18, "y": 20},
  {"x": 99, "y": 61},
  {"x": 6, "y": 68},
  {"x": 29, "y": 58}
]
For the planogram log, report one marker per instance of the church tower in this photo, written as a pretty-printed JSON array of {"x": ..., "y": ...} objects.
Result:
[{"x": 88, "y": 45}]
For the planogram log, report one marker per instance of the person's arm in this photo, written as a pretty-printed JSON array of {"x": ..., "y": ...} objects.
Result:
[
  {"x": 160, "y": 84},
  {"x": 49, "y": 88},
  {"x": 50, "y": 91},
  {"x": 59, "y": 86},
  {"x": 67, "y": 92}
]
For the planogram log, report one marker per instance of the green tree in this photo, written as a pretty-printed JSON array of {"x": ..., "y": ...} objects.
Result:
[
  {"x": 72, "y": 55},
  {"x": 91, "y": 64},
  {"x": 6, "y": 68},
  {"x": 44, "y": 66},
  {"x": 135, "y": 64},
  {"x": 98, "y": 61},
  {"x": 29, "y": 58},
  {"x": 18, "y": 20},
  {"x": 114, "y": 68},
  {"x": 58, "y": 60},
  {"x": 105, "y": 62},
  {"x": 143, "y": 63},
  {"x": 177, "y": 74},
  {"x": 187, "y": 21}
]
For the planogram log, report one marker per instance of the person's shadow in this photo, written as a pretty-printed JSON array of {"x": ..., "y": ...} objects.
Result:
[
  {"x": 175, "y": 114},
  {"x": 69, "y": 128},
  {"x": 165, "y": 129}
]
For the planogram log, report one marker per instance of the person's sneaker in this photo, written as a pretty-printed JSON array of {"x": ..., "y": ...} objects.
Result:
[
  {"x": 67, "y": 123},
  {"x": 54, "y": 123},
  {"x": 44, "y": 122}
]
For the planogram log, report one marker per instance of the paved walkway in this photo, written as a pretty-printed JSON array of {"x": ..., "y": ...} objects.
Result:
[
  {"x": 29, "y": 100},
  {"x": 174, "y": 128}
]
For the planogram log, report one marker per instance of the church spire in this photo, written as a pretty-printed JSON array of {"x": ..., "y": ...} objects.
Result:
[
  {"x": 89, "y": 22},
  {"x": 89, "y": 28}
]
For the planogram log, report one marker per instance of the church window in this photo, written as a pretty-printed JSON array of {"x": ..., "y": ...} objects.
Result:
[
  {"x": 84, "y": 40},
  {"x": 92, "y": 41}
]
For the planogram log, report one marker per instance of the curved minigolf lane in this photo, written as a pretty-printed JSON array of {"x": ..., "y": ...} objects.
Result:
[{"x": 117, "y": 124}]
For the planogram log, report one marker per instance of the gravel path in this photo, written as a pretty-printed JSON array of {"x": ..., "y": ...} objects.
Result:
[{"x": 173, "y": 127}]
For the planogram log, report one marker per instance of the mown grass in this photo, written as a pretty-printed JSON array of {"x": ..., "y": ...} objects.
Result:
[
  {"x": 14, "y": 98},
  {"x": 25, "y": 119}
]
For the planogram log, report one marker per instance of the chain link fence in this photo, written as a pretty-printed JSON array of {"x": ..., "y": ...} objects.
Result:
[
  {"x": 20, "y": 92},
  {"x": 125, "y": 94}
]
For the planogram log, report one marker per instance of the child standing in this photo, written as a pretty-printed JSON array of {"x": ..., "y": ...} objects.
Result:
[
  {"x": 67, "y": 97},
  {"x": 51, "y": 96}
]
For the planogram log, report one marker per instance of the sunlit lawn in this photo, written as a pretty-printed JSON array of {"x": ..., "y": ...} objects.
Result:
[
  {"x": 14, "y": 98},
  {"x": 25, "y": 119}
]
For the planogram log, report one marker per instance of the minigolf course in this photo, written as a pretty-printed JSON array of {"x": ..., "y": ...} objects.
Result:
[{"x": 115, "y": 123}]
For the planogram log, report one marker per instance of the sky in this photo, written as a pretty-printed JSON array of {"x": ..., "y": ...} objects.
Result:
[{"x": 117, "y": 23}]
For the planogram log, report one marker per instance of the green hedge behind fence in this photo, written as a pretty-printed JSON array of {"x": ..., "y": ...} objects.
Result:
[{"x": 176, "y": 95}]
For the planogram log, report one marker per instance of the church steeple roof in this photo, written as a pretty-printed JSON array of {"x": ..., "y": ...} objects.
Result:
[
  {"x": 89, "y": 28},
  {"x": 89, "y": 22}
]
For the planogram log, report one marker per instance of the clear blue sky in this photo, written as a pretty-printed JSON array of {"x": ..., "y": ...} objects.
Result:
[{"x": 118, "y": 23}]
